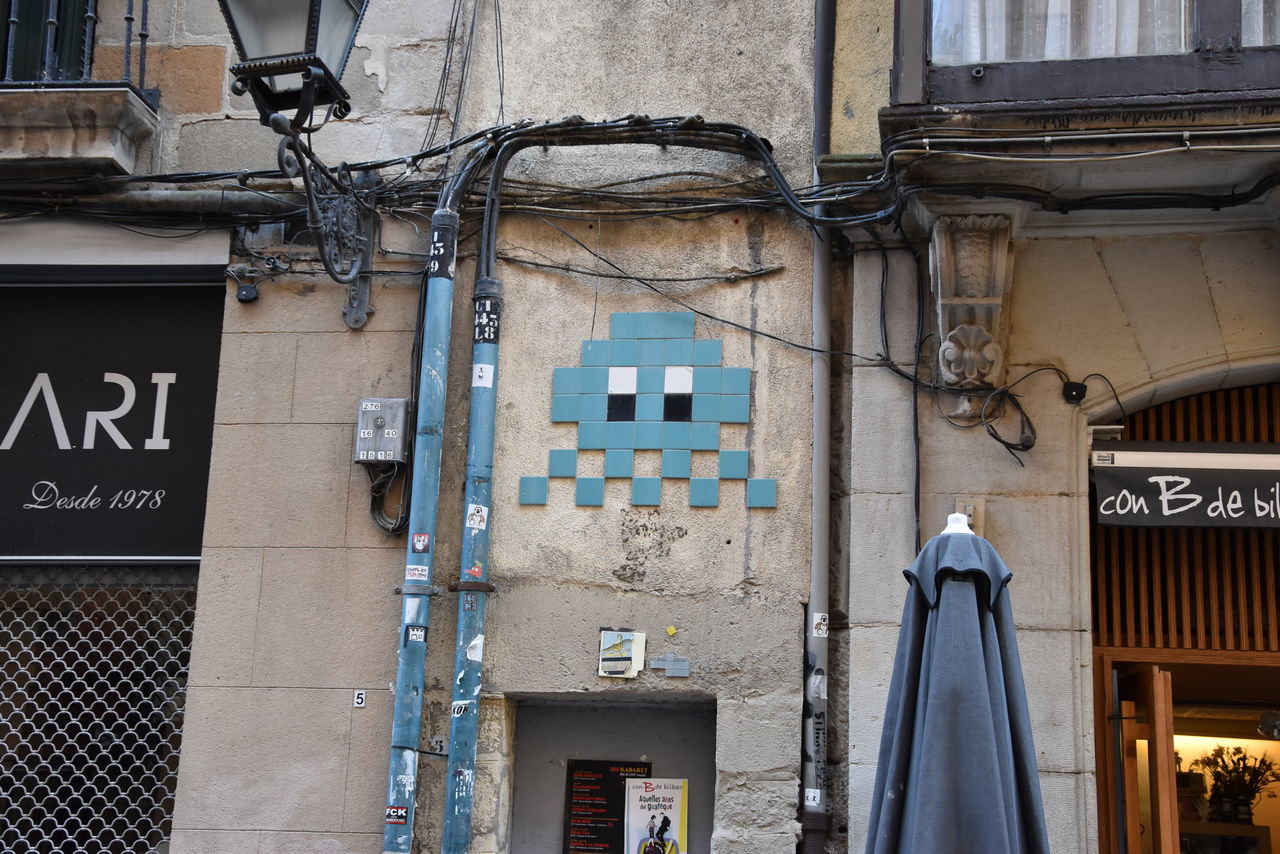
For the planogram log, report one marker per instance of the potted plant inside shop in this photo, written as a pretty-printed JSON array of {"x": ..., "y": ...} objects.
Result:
[{"x": 1237, "y": 779}]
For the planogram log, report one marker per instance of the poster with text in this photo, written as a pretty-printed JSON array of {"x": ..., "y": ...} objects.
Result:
[
  {"x": 595, "y": 804},
  {"x": 657, "y": 816}
]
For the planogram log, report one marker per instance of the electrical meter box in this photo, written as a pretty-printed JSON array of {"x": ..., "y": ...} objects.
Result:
[{"x": 380, "y": 430}]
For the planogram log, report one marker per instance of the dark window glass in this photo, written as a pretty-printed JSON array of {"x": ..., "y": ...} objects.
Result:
[{"x": 67, "y": 59}]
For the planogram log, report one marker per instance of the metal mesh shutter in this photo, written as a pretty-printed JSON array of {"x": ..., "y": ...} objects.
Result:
[{"x": 93, "y": 676}]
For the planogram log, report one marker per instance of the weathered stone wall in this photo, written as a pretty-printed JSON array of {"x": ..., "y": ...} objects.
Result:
[
  {"x": 295, "y": 610},
  {"x": 1162, "y": 317}
]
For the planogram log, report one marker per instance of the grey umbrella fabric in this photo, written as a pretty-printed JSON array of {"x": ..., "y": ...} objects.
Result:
[{"x": 957, "y": 767}]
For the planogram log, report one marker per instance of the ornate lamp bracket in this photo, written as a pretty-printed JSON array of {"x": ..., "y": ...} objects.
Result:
[{"x": 969, "y": 260}]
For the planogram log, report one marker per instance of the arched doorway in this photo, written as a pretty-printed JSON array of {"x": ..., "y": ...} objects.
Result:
[{"x": 1186, "y": 639}]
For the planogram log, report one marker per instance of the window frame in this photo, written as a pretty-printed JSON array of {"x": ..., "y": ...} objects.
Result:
[{"x": 1215, "y": 63}]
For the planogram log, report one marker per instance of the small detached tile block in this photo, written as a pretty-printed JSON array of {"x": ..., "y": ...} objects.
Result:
[
  {"x": 676, "y": 464},
  {"x": 561, "y": 463},
  {"x": 533, "y": 490},
  {"x": 589, "y": 492},
  {"x": 733, "y": 465},
  {"x": 762, "y": 492},
  {"x": 706, "y": 352},
  {"x": 704, "y": 492},
  {"x": 619, "y": 463},
  {"x": 646, "y": 491}
]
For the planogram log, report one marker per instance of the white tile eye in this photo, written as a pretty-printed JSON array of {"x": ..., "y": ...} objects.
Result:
[
  {"x": 678, "y": 380},
  {"x": 622, "y": 381}
]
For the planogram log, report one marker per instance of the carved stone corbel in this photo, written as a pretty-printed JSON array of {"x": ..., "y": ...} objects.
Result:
[{"x": 969, "y": 260}]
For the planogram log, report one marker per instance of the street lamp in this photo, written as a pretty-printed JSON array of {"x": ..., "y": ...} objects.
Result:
[
  {"x": 293, "y": 52},
  {"x": 292, "y": 56}
]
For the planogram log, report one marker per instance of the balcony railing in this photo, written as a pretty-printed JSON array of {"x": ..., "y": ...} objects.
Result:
[{"x": 49, "y": 43}]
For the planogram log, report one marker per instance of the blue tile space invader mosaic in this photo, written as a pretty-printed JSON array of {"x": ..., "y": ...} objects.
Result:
[{"x": 651, "y": 386}]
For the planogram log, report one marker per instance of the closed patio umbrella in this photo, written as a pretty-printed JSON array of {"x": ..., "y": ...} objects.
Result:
[{"x": 957, "y": 767}]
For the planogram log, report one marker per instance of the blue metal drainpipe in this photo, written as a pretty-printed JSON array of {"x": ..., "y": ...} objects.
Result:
[
  {"x": 473, "y": 585},
  {"x": 417, "y": 589}
]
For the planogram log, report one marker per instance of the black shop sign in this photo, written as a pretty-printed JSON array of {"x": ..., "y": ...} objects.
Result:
[
  {"x": 106, "y": 419},
  {"x": 1197, "y": 484}
]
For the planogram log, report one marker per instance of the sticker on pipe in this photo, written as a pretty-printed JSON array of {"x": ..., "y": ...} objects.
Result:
[
  {"x": 416, "y": 573},
  {"x": 482, "y": 376},
  {"x": 421, "y": 543},
  {"x": 459, "y": 707},
  {"x": 477, "y": 517},
  {"x": 812, "y": 797},
  {"x": 475, "y": 649},
  {"x": 821, "y": 625},
  {"x": 415, "y": 634},
  {"x": 397, "y": 815}
]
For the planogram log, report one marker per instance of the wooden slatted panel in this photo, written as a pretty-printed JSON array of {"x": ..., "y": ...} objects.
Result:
[{"x": 1192, "y": 588}]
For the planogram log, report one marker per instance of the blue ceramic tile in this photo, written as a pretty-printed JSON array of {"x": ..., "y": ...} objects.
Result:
[
  {"x": 735, "y": 381},
  {"x": 664, "y": 324},
  {"x": 733, "y": 465},
  {"x": 646, "y": 491},
  {"x": 735, "y": 408},
  {"x": 589, "y": 492},
  {"x": 704, "y": 436},
  {"x": 652, "y": 352},
  {"x": 706, "y": 380},
  {"x": 648, "y": 435},
  {"x": 650, "y": 380},
  {"x": 593, "y": 407},
  {"x": 704, "y": 491},
  {"x": 680, "y": 351},
  {"x": 706, "y": 407},
  {"x": 676, "y": 463},
  {"x": 619, "y": 463},
  {"x": 595, "y": 352},
  {"x": 566, "y": 380},
  {"x": 591, "y": 435},
  {"x": 594, "y": 380},
  {"x": 624, "y": 353},
  {"x": 562, "y": 463},
  {"x": 706, "y": 352},
  {"x": 620, "y": 434},
  {"x": 649, "y": 407},
  {"x": 564, "y": 407},
  {"x": 675, "y": 435},
  {"x": 622, "y": 324},
  {"x": 762, "y": 492},
  {"x": 533, "y": 490}
]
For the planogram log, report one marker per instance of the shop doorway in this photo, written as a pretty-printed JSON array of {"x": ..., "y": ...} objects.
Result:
[
  {"x": 566, "y": 756},
  {"x": 1186, "y": 631}
]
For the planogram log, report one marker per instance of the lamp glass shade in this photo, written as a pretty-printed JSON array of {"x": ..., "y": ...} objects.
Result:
[{"x": 270, "y": 29}]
